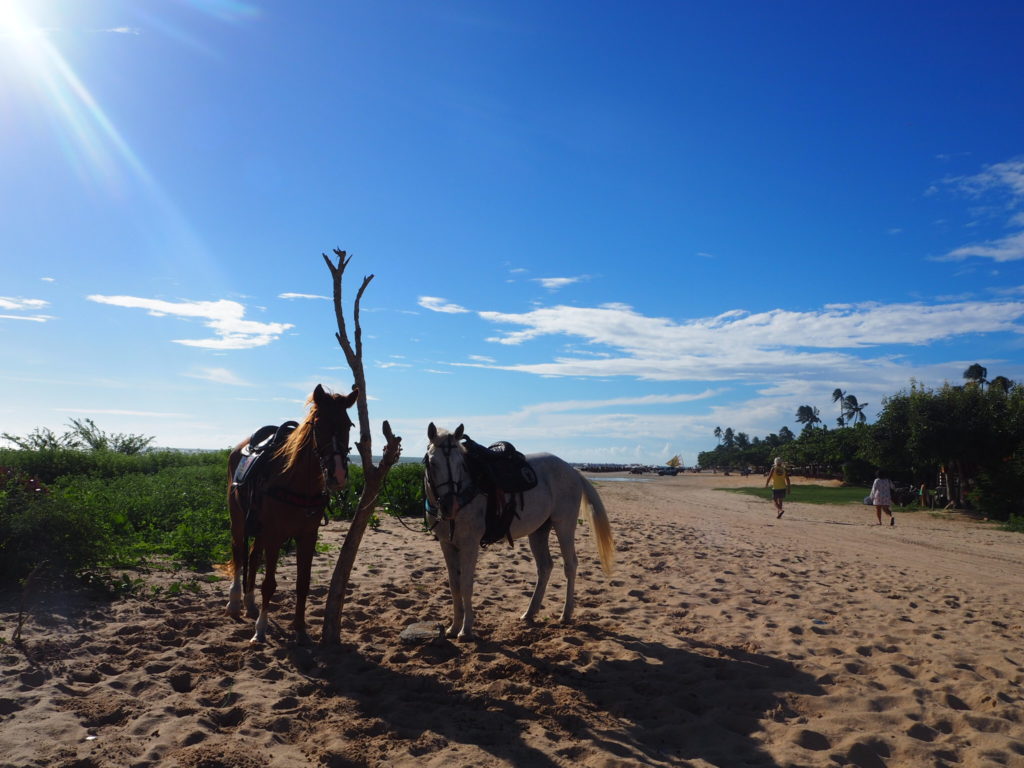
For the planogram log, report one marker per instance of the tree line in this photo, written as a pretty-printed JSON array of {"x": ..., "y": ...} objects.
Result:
[{"x": 965, "y": 442}]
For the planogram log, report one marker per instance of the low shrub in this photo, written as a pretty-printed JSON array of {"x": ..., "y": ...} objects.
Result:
[
  {"x": 84, "y": 521},
  {"x": 999, "y": 490},
  {"x": 402, "y": 493}
]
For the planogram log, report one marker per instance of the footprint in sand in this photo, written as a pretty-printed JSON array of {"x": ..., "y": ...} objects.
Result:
[
  {"x": 922, "y": 732},
  {"x": 868, "y": 754},
  {"x": 955, "y": 702},
  {"x": 812, "y": 740}
]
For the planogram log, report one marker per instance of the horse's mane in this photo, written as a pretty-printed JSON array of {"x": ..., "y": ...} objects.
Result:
[{"x": 298, "y": 439}]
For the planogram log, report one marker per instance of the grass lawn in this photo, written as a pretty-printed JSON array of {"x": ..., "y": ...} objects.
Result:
[{"x": 811, "y": 494}]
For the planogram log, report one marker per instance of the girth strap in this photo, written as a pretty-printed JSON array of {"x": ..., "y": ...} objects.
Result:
[{"x": 314, "y": 503}]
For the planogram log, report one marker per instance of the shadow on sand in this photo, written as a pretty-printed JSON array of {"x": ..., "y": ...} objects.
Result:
[{"x": 663, "y": 704}]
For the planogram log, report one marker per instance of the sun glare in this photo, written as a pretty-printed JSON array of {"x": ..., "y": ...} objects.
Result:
[{"x": 90, "y": 140}]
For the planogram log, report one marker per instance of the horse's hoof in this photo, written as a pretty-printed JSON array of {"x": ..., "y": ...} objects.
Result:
[
  {"x": 253, "y": 613},
  {"x": 465, "y": 637},
  {"x": 258, "y": 639}
]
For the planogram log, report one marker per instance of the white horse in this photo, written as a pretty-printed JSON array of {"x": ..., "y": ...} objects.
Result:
[{"x": 459, "y": 522}]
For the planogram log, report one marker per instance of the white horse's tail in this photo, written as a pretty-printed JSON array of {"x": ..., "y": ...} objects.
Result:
[{"x": 599, "y": 524}]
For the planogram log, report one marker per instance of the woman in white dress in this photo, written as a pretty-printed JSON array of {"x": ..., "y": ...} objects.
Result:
[{"x": 881, "y": 497}]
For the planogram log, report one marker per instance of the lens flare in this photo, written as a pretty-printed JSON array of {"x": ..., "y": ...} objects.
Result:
[{"x": 89, "y": 138}]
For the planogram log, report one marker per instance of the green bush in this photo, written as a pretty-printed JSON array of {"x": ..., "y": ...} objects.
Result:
[
  {"x": 345, "y": 502},
  {"x": 49, "y": 464},
  {"x": 102, "y": 509},
  {"x": 86, "y": 521},
  {"x": 47, "y": 528},
  {"x": 402, "y": 493},
  {"x": 999, "y": 490},
  {"x": 201, "y": 538}
]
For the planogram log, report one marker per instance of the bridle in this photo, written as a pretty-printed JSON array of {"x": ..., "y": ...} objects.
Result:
[
  {"x": 450, "y": 491},
  {"x": 329, "y": 454}
]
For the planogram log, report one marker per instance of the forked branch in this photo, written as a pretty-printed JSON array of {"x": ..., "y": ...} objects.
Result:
[{"x": 373, "y": 475}]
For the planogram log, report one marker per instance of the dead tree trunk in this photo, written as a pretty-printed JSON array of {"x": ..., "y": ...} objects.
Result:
[{"x": 373, "y": 475}]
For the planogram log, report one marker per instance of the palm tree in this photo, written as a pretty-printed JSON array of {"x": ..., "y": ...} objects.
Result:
[
  {"x": 853, "y": 411},
  {"x": 977, "y": 374},
  {"x": 808, "y": 415},
  {"x": 837, "y": 397},
  {"x": 718, "y": 433},
  {"x": 1001, "y": 383}
]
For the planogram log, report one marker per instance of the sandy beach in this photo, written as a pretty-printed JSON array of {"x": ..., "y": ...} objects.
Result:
[{"x": 724, "y": 638}]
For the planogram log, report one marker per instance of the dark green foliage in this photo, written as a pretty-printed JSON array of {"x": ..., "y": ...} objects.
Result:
[
  {"x": 345, "y": 502},
  {"x": 44, "y": 527},
  {"x": 401, "y": 495},
  {"x": 83, "y": 434},
  {"x": 402, "y": 492},
  {"x": 86, "y": 509},
  {"x": 970, "y": 435},
  {"x": 999, "y": 490},
  {"x": 50, "y": 463},
  {"x": 114, "y": 510}
]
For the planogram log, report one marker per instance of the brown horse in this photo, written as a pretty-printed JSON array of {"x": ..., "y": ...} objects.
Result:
[{"x": 287, "y": 501}]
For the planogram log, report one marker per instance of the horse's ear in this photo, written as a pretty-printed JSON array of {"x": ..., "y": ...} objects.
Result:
[
  {"x": 458, "y": 432},
  {"x": 319, "y": 395},
  {"x": 351, "y": 399},
  {"x": 432, "y": 432}
]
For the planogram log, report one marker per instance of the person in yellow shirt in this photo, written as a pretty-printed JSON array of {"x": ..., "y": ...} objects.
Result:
[{"x": 778, "y": 479}]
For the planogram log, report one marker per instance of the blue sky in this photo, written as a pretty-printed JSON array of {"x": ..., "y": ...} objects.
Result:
[{"x": 600, "y": 229}]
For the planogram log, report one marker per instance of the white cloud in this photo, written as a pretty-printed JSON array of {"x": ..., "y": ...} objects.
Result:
[
  {"x": 564, "y": 406},
  {"x": 12, "y": 303},
  {"x": 435, "y": 304},
  {"x": 740, "y": 345},
  {"x": 226, "y": 318},
  {"x": 302, "y": 296},
  {"x": 554, "y": 283},
  {"x": 124, "y": 30},
  {"x": 1003, "y": 184},
  {"x": 30, "y": 318},
  {"x": 1009, "y": 291},
  {"x": 1005, "y": 176},
  {"x": 1010, "y": 248},
  {"x": 219, "y": 376},
  {"x": 18, "y": 304}
]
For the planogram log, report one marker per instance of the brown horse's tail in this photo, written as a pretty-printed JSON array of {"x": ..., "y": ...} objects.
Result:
[
  {"x": 595, "y": 512},
  {"x": 238, "y": 510}
]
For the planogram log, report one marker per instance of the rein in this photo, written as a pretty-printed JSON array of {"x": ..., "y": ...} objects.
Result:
[{"x": 457, "y": 493}]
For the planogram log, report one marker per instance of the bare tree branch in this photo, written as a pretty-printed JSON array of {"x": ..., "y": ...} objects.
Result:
[{"x": 373, "y": 476}]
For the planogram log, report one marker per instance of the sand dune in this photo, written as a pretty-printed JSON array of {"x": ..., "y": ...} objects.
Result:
[{"x": 724, "y": 638}]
